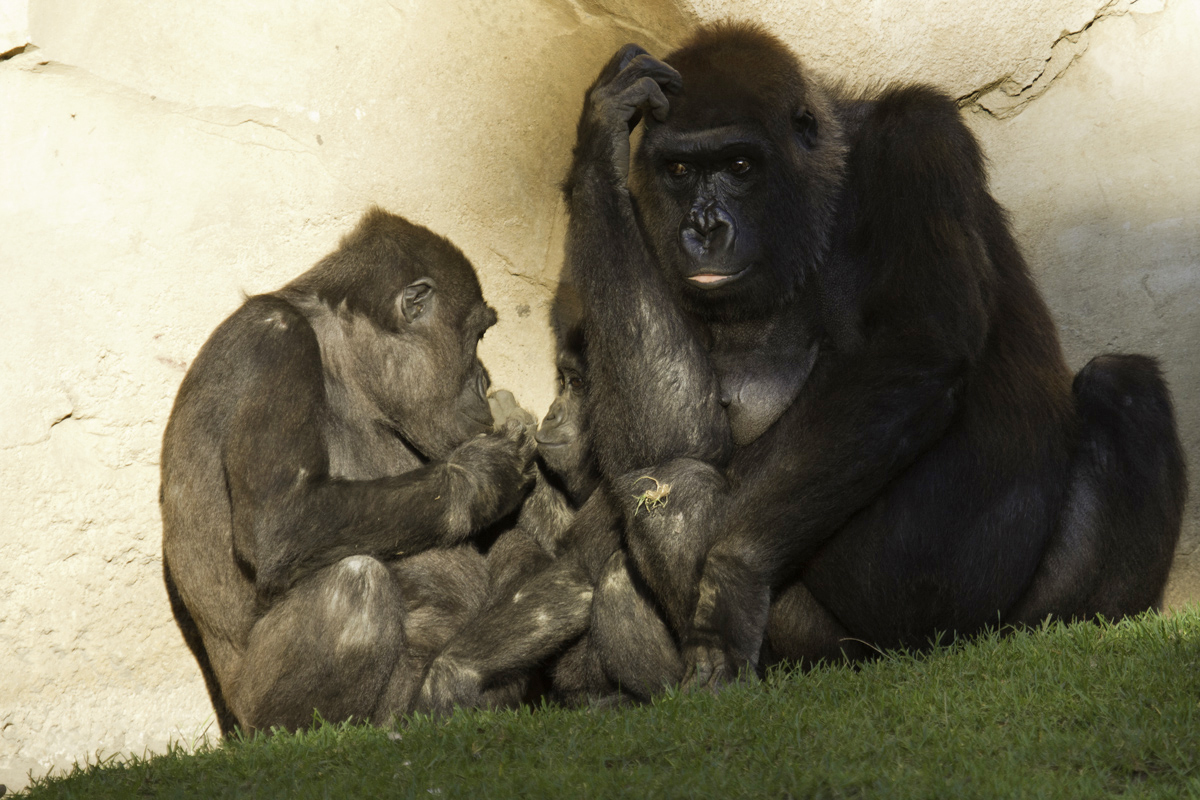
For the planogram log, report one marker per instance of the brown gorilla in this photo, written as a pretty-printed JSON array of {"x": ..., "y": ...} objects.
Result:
[{"x": 329, "y": 452}]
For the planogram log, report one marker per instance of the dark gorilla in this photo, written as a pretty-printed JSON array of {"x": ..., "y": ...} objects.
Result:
[
  {"x": 823, "y": 379},
  {"x": 564, "y": 444},
  {"x": 330, "y": 450},
  {"x": 565, "y": 477},
  {"x": 828, "y": 404}
]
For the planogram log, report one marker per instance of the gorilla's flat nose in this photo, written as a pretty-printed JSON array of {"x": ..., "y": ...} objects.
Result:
[{"x": 707, "y": 231}]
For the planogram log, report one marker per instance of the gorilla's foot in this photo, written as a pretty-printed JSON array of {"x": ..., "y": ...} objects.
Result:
[
  {"x": 711, "y": 668},
  {"x": 449, "y": 684}
]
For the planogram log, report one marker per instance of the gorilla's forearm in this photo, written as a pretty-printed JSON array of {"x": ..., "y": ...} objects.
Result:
[
  {"x": 436, "y": 506},
  {"x": 655, "y": 396}
]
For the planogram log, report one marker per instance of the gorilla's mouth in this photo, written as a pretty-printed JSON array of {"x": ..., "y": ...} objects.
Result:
[
  {"x": 476, "y": 425},
  {"x": 711, "y": 280}
]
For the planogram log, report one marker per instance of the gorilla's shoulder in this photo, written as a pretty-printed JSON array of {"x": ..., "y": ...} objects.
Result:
[
  {"x": 266, "y": 333},
  {"x": 273, "y": 319},
  {"x": 913, "y": 144}
]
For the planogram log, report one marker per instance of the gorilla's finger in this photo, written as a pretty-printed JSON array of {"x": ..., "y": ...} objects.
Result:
[
  {"x": 505, "y": 408},
  {"x": 503, "y": 405},
  {"x": 662, "y": 72},
  {"x": 497, "y": 409},
  {"x": 628, "y": 53},
  {"x": 647, "y": 93},
  {"x": 647, "y": 66},
  {"x": 619, "y": 62}
]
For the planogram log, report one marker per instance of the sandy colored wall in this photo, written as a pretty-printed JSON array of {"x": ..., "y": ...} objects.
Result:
[{"x": 159, "y": 159}]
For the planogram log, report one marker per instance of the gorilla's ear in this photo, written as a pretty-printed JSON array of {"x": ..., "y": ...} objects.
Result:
[
  {"x": 415, "y": 298},
  {"x": 805, "y": 125}
]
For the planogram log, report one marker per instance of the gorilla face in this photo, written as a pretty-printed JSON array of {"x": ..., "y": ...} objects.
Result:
[
  {"x": 736, "y": 187},
  {"x": 404, "y": 316},
  {"x": 705, "y": 192},
  {"x": 563, "y": 439},
  {"x": 425, "y": 377}
]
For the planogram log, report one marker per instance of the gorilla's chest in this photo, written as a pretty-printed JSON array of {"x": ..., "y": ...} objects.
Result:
[{"x": 761, "y": 369}]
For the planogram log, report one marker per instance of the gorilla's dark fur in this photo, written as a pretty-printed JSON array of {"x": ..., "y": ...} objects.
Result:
[
  {"x": 330, "y": 450},
  {"x": 541, "y": 593},
  {"x": 809, "y": 317}
]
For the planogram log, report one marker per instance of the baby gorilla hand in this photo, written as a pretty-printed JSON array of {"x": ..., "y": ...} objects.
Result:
[
  {"x": 490, "y": 474},
  {"x": 512, "y": 420},
  {"x": 504, "y": 407}
]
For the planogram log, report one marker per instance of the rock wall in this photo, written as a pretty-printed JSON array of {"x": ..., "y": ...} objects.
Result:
[{"x": 158, "y": 160}]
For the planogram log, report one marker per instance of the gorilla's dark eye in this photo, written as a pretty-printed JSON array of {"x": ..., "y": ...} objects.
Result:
[
  {"x": 677, "y": 168},
  {"x": 740, "y": 166},
  {"x": 569, "y": 380}
]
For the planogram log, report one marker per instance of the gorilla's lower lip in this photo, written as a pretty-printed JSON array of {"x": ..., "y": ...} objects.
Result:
[
  {"x": 711, "y": 280},
  {"x": 540, "y": 443}
]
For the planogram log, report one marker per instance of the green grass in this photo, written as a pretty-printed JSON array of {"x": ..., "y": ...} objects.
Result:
[{"x": 1066, "y": 711}]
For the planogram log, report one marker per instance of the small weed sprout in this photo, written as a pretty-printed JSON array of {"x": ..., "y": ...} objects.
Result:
[{"x": 652, "y": 498}]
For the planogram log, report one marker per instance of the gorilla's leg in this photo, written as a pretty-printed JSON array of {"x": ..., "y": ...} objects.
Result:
[
  {"x": 441, "y": 591},
  {"x": 512, "y": 560},
  {"x": 536, "y": 620},
  {"x": 802, "y": 631},
  {"x": 329, "y": 645},
  {"x": 635, "y": 648},
  {"x": 1116, "y": 538},
  {"x": 670, "y": 513},
  {"x": 514, "y": 635},
  {"x": 577, "y": 676},
  {"x": 514, "y": 557},
  {"x": 191, "y": 635}
]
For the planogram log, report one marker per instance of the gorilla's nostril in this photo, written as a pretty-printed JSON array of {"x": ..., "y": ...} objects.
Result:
[
  {"x": 706, "y": 223},
  {"x": 554, "y": 415}
]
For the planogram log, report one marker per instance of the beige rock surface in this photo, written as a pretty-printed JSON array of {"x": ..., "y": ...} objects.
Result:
[
  {"x": 963, "y": 47},
  {"x": 14, "y": 25},
  {"x": 158, "y": 160}
]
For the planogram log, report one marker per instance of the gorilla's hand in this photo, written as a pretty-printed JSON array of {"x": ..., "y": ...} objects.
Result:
[
  {"x": 708, "y": 666},
  {"x": 489, "y": 475},
  {"x": 630, "y": 82},
  {"x": 504, "y": 407},
  {"x": 506, "y": 412}
]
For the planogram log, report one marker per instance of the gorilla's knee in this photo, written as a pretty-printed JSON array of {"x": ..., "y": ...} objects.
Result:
[
  {"x": 1123, "y": 388},
  {"x": 361, "y": 598},
  {"x": 634, "y": 646}
]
